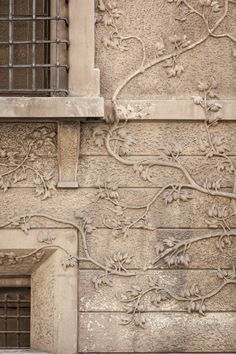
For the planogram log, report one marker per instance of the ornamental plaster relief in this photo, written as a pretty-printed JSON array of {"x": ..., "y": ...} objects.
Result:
[
  {"x": 154, "y": 216},
  {"x": 166, "y": 46},
  {"x": 217, "y": 213},
  {"x": 28, "y": 157}
]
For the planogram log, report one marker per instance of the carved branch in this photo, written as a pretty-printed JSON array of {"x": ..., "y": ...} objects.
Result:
[
  {"x": 196, "y": 302},
  {"x": 21, "y": 219},
  {"x": 18, "y": 166},
  {"x": 176, "y": 165}
]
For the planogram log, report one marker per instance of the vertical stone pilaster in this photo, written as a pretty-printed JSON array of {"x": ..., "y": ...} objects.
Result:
[{"x": 68, "y": 153}]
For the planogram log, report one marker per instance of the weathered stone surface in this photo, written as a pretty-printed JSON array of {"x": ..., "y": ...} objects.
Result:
[
  {"x": 191, "y": 214},
  {"x": 90, "y": 167},
  {"x": 107, "y": 298},
  {"x": 141, "y": 244},
  {"x": 151, "y": 136},
  {"x": 171, "y": 332}
]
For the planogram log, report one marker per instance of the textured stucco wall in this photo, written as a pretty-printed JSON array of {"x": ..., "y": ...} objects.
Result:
[{"x": 151, "y": 20}]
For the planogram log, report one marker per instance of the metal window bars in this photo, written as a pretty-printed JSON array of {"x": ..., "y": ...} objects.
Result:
[
  {"x": 14, "y": 318},
  {"x": 33, "y": 47}
]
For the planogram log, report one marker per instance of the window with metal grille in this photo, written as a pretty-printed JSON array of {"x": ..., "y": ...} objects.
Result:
[
  {"x": 14, "y": 318},
  {"x": 33, "y": 47}
]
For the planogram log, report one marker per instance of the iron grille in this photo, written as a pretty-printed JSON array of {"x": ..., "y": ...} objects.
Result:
[
  {"x": 33, "y": 47},
  {"x": 14, "y": 318}
]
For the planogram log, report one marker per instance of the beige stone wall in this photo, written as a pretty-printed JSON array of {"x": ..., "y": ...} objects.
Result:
[
  {"x": 155, "y": 209},
  {"x": 168, "y": 326}
]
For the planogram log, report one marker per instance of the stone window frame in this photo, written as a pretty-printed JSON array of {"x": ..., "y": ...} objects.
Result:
[
  {"x": 84, "y": 78},
  {"x": 54, "y": 293},
  {"x": 47, "y": 71}
]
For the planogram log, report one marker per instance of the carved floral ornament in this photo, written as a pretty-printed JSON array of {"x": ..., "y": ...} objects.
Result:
[
  {"x": 118, "y": 142},
  {"x": 26, "y": 162}
]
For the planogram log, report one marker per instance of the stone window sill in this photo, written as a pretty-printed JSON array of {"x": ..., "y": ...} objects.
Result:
[
  {"x": 21, "y": 351},
  {"x": 51, "y": 107}
]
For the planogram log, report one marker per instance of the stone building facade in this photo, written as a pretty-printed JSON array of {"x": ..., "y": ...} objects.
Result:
[{"x": 118, "y": 191}]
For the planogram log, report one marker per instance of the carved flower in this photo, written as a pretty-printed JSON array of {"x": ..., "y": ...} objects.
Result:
[
  {"x": 202, "y": 86},
  {"x": 160, "y": 47},
  {"x": 69, "y": 261},
  {"x": 179, "y": 40},
  {"x": 215, "y": 6}
]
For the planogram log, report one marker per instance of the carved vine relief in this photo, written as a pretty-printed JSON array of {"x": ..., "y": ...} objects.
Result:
[
  {"x": 25, "y": 162},
  {"x": 212, "y": 13},
  {"x": 118, "y": 141}
]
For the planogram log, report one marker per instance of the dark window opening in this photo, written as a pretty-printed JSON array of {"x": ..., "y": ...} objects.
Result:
[
  {"x": 33, "y": 47},
  {"x": 14, "y": 317}
]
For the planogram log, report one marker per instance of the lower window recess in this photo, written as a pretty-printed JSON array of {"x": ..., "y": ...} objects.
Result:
[{"x": 14, "y": 317}]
